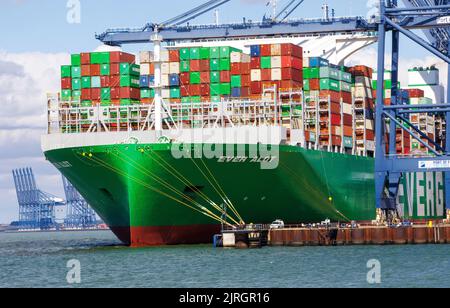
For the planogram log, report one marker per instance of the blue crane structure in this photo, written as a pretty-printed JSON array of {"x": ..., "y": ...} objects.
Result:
[
  {"x": 36, "y": 208},
  {"x": 431, "y": 16},
  {"x": 79, "y": 215}
]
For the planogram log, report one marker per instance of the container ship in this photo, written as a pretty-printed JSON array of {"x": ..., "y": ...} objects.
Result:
[{"x": 243, "y": 136}]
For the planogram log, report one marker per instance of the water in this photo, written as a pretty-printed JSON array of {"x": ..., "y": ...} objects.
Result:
[{"x": 40, "y": 259}]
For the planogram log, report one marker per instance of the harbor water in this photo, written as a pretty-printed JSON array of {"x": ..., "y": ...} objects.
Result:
[{"x": 41, "y": 259}]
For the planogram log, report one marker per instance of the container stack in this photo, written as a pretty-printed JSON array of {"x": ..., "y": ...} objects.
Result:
[
  {"x": 364, "y": 123},
  {"x": 100, "y": 78},
  {"x": 279, "y": 65},
  {"x": 147, "y": 76}
]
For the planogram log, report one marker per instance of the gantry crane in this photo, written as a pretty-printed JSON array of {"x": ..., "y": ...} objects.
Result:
[{"x": 433, "y": 17}]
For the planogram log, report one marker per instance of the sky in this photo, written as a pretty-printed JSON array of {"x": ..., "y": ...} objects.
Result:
[{"x": 37, "y": 38}]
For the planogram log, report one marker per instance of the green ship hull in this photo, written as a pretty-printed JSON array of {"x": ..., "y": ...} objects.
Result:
[{"x": 147, "y": 196}]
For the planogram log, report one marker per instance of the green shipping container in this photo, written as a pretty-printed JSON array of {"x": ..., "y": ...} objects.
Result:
[
  {"x": 214, "y": 77},
  {"x": 348, "y": 142},
  {"x": 175, "y": 92},
  {"x": 129, "y": 81},
  {"x": 196, "y": 99},
  {"x": 128, "y": 102},
  {"x": 225, "y": 64},
  {"x": 194, "y": 53},
  {"x": 185, "y": 66},
  {"x": 130, "y": 69},
  {"x": 185, "y": 100},
  {"x": 184, "y": 54},
  {"x": 75, "y": 59},
  {"x": 306, "y": 86},
  {"x": 226, "y": 51},
  {"x": 76, "y": 95},
  {"x": 314, "y": 73},
  {"x": 106, "y": 95},
  {"x": 195, "y": 78},
  {"x": 345, "y": 87},
  {"x": 66, "y": 71},
  {"x": 330, "y": 73},
  {"x": 66, "y": 95},
  {"x": 216, "y": 99},
  {"x": 306, "y": 73},
  {"x": 330, "y": 84},
  {"x": 214, "y": 53},
  {"x": 147, "y": 93},
  {"x": 236, "y": 81},
  {"x": 76, "y": 84},
  {"x": 225, "y": 89},
  {"x": 105, "y": 70},
  {"x": 214, "y": 65},
  {"x": 85, "y": 82},
  {"x": 205, "y": 53},
  {"x": 214, "y": 89},
  {"x": 344, "y": 76},
  {"x": 266, "y": 62},
  {"x": 100, "y": 58},
  {"x": 76, "y": 72},
  {"x": 95, "y": 82},
  {"x": 86, "y": 103}
]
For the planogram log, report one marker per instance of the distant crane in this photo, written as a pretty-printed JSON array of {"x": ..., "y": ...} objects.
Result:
[
  {"x": 79, "y": 215},
  {"x": 36, "y": 208}
]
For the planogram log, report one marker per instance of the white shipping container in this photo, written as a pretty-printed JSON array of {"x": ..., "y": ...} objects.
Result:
[
  {"x": 174, "y": 68},
  {"x": 165, "y": 80},
  {"x": 347, "y": 108},
  {"x": 305, "y": 62},
  {"x": 165, "y": 68},
  {"x": 275, "y": 49},
  {"x": 388, "y": 93},
  {"x": 146, "y": 57},
  {"x": 164, "y": 55},
  {"x": 431, "y": 129},
  {"x": 245, "y": 58},
  {"x": 435, "y": 93},
  {"x": 165, "y": 93},
  {"x": 255, "y": 75},
  {"x": 276, "y": 62},
  {"x": 369, "y": 124},
  {"x": 370, "y": 145},
  {"x": 362, "y": 92},
  {"x": 145, "y": 69},
  {"x": 236, "y": 57},
  {"x": 423, "y": 77},
  {"x": 363, "y": 81},
  {"x": 276, "y": 74}
]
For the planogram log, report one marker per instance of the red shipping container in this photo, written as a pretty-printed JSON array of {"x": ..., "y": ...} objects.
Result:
[
  {"x": 245, "y": 92},
  {"x": 336, "y": 140},
  {"x": 104, "y": 81},
  {"x": 205, "y": 77},
  {"x": 194, "y": 90},
  {"x": 85, "y": 94},
  {"x": 236, "y": 69},
  {"x": 256, "y": 87},
  {"x": 85, "y": 58},
  {"x": 115, "y": 93},
  {"x": 370, "y": 134},
  {"x": 174, "y": 56},
  {"x": 266, "y": 74},
  {"x": 291, "y": 62},
  {"x": 195, "y": 65},
  {"x": 204, "y": 65},
  {"x": 185, "y": 78},
  {"x": 245, "y": 68},
  {"x": 185, "y": 90},
  {"x": 348, "y": 120},
  {"x": 416, "y": 93},
  {"x": 361, "y": 70},
  {"x": 85, "y": 70},
  {"x": 130, "y": 93},
  {"x": 96, "y": 94},
  {"x": 225, "y": 77},
  {"x": 66, "y": 83},
  {"x": 314, "y": 84},
  {"x": 114, "y": 69},
  {"x": 95, "y": 69},
  {"x": 205, "y": 90},
  {"x": 245, "y": 81},
  {"x": 114, "y": 81},
  {"x": 292, "y": 74},
  {"x": 289, "y": 85},
  {"x": 255, "y": 63},
  {"x": 346, "y": 97},
  {"x": 348, "y": 130},
  {"x": 292, "y": 50},
  {"x": 266, "y": 50},
  {"x": 335, "y": 108},
  {"x": 271, "y": 84},
  {"x": 122, "y": 57},
  {"x": 333, "y": 95},
  {"x": 335, "y": 119}
]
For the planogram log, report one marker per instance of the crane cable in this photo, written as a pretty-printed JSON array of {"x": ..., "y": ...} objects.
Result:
[
  {"x": 202, "y": 209},
  {"x": 180, "y": 177},
  {"x": 164, "y": 183}
]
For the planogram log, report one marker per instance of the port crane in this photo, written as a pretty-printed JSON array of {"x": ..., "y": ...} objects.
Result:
[{"x": 431, "y": 16}]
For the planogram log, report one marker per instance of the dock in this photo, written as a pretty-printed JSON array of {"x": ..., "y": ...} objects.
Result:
[{"x": 257, "y": 237}]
